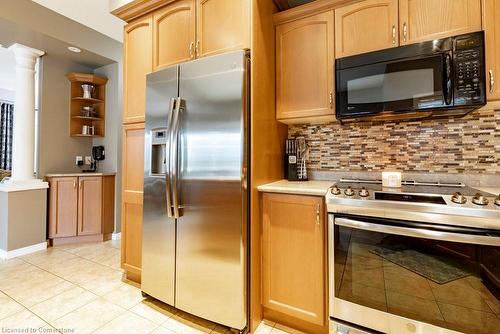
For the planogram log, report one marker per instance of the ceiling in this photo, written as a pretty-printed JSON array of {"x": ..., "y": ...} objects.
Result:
[
  {"x": 11, "y": 33},
  {"x": 287, "y": 4}
]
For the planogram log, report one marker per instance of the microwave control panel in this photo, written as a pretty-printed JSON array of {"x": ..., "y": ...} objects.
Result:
[{"x": 469, "y": 68}]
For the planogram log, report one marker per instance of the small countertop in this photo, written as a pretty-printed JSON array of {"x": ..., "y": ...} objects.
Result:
[
  {"x": 319, "y": 188},
  {"x": 315, "y": 188},
  {"x": 78, "y": 174}
]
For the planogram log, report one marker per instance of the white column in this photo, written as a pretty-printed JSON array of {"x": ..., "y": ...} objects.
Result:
[{"x": 23, "y": 143}]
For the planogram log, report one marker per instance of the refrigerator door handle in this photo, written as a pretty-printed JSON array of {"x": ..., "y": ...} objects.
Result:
[
  {"x": 168, "y": 173},
  {"x": 175, "y": 155}
]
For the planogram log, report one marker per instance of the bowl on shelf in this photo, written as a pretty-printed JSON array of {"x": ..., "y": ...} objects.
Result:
[{"x": 88, "y": 111}]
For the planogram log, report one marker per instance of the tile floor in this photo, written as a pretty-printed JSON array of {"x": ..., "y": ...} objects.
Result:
[{"x": 79, "y": 289}]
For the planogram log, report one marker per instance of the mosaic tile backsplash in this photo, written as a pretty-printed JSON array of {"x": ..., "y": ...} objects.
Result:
[{"x": 456, "y": 145}]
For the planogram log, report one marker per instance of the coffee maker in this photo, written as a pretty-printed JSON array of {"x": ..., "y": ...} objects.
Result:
[{"x": 97, "y": 155}]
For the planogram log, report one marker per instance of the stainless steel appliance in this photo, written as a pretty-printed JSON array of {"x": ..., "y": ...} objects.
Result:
[
  {"x": 424, "y": 258},
  {"x": 439, "y": 78},
  {"x": 195, "y": 188}
]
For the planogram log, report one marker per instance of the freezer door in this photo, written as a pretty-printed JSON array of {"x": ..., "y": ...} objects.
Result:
[
  {"x": 158, "y": 241},
  {"x": 211, "y": 231}
]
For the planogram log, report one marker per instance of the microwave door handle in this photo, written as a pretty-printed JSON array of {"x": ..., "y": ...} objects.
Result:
[
  {"x": 175, "y": 156},
  {"x": 419, "y": 232},
  {"x": 167, "y": 160},
  {"x": 447, "y": 79}
]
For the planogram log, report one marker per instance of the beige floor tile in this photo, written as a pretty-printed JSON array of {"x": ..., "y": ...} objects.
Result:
[
  {"x": 221, "y": 330},
  {"x": 62, "y": 304},
  {"x": 124, "y": 295},
  {"x": 471, "y": 321},
  {"x": 103, "y": 283},
  {"x": 162, "y": 330},
  {"x": 90, "y": 317},
  {"x": 263, "y": 328},
  {"x": 414, "y": 308},
  {"x": 128, "y": 323},
  {"x": 33, "y": 292},
  {"x": 8, "y": 306},
  {"x": 285, "y": 329},
  {"x": 185, "y": 324},
  {"x": 22, "y": 322},
  {"x": 153, "y": 310},
  {"x": 461, "y": 293}
]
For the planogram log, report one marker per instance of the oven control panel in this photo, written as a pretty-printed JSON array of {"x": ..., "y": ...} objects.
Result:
[{"x": 469, "y": 70}]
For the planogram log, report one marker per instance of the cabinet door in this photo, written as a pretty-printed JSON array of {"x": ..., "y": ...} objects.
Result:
[
  {"x": 89, "y": 205},
  {"x": 222, "y": 25},
  {"x": 304, "y": 68},
  {"x": 138, "y": 62},
  {"x": 174, "y": 34},
  {"x": 132, "y": 197},
  {"x": 293, "y": 255},
  {"x": 366, "y": 26},
  {"x": 63, "y": 208},
  {"x": 491, "y": 22},
  {"x": 430, "y": 19}
]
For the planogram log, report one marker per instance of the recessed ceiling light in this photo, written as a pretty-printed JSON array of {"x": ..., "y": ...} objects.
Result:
[{"x": 74, "y": 49}]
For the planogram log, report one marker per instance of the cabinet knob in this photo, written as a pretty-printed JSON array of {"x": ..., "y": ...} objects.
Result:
[
  {"x": 191, "y": 46},
  {"x": 492, "y": 81}
]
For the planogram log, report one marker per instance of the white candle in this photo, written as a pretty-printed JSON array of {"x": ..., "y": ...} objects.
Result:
[{"x": 391, "y": 179}]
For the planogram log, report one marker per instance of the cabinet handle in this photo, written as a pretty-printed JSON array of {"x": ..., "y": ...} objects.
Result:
[
  {"x": 197, "y": 48},
  {"x": 74, "y": 183},
  {"x": 405, "y": 32},
  {"x": 191, "y": 46},
  {"x": 393, "y": 34},
  {"x": 331, "y": 100},
  {"x": 317, "y": 214},
  {"x": 492, "y": 81}
]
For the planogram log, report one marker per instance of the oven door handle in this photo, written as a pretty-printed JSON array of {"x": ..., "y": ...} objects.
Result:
[{"x": 419, "y": 232}]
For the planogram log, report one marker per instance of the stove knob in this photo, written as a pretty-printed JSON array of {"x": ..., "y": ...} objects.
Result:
[
  {"x": 497, "y": 200},
  {"x": 363, "y": 192},
  {"x": 479, "y": 199},
  {"x": 458, "y": 198},
  {"x": 335, "y": 190},
  {"x": 349, "y": 191}
]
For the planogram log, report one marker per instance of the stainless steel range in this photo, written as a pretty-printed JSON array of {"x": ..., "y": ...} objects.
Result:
[{"x": 423, "y": 258}]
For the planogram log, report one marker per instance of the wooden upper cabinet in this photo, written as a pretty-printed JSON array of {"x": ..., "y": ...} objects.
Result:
[
  {"x": 222, "y": 25},
  {"x": 174, "y": 34},
  {"x": 63, "y": 212},
  {"x": 423, "y": 20},
  {"x": 304, "y": 68},
  {"x": 491, "y": 22},
  {"x": 90, "y": 205},
  {"x": 366, "y": 26},
  {"x": 137, "y": 63},
  {"x": 293, "y": 256}
]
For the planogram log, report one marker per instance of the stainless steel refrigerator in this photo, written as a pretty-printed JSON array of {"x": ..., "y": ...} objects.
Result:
[{"x": 195, "y": 188}]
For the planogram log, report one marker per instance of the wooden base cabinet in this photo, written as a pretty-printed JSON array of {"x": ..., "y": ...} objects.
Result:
[
  {"x": 132, "y": 199},
  {"x": 81, "y": 208},
  {"x": 294, "y": 257}
]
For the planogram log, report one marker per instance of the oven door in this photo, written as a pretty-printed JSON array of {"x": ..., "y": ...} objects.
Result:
[
  {"x": 408, "y": 277},
  {"x": 398, "y": 86}
]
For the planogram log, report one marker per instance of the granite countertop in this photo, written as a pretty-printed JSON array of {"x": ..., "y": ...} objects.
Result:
[
  {"x": 79, "y": 174},
  {"x": 319, "y": 188},
  {"x": 315, "y": 188}
]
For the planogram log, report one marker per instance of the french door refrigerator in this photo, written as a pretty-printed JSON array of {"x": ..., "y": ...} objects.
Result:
[{"x": 195, "y": 188}]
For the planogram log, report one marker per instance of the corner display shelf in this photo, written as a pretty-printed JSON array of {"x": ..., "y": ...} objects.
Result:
[{"x": 77, "y": 119}]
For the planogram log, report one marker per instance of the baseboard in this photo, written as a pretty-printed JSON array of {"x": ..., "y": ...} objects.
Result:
[
  {"x": 116, "y": 236},
  {"x": 5, "y": 255}
]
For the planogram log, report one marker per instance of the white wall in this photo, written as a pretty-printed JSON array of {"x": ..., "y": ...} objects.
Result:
[
  {"x": 7, "y": 75},
  {"x": 112, "y": 142},
  {"x": 91, "y": 13}
]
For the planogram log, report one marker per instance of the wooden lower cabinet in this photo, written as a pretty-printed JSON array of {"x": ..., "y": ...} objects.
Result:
[
  {"x": 81, "y": 208},
  {"x": 132, "y": 199},
  {"x": 294, "y": 280}
]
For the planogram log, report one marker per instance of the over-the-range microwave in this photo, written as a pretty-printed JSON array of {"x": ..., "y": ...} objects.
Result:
[{"x": 439, "y": 78}]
